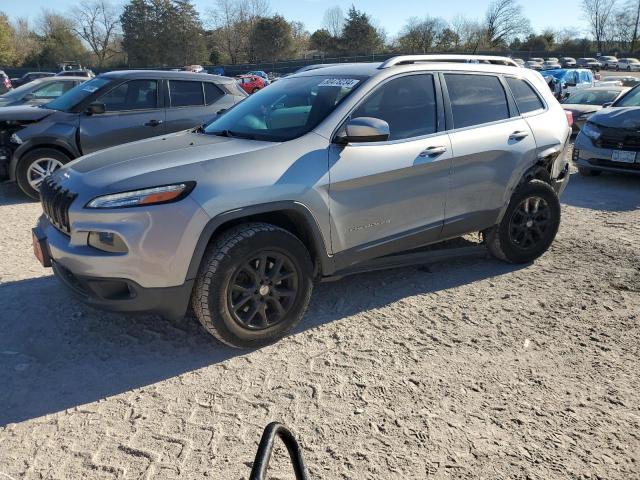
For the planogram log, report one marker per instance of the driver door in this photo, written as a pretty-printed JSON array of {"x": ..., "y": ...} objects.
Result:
[
  {"x": 134, "y": 111},
  {"x": 389, "y": 196}
]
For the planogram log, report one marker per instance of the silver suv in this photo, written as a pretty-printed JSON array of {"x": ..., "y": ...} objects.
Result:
[{"x": 321, "y": 174}]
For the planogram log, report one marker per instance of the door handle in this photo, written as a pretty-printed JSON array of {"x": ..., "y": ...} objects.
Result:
[
  {"x": 153, "y": 123},
  {"x": 433, "y": 151},
  {"x": 518, "y": 135}
]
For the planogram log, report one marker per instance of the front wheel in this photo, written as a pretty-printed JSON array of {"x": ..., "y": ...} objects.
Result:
[
  {"x": 35, "y": 166},
  {"x": 254, "y": 285},
  {"x": 528, "y": 226}
]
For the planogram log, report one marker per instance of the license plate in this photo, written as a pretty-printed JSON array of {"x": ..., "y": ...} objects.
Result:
[
  {"x": 40, "y": 250},
  {"x": 622, "y": 156}
]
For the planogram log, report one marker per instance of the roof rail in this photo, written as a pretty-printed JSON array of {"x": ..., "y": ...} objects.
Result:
[{"x": 409, "y": 59}]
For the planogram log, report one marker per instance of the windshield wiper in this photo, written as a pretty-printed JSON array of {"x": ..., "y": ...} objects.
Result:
[
  {"x": 223, "y": 133},
  {"x": 231, "y": 134}
]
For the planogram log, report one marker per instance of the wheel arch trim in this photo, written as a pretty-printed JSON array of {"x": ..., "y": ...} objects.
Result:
[{"x": 44, "y": 142}]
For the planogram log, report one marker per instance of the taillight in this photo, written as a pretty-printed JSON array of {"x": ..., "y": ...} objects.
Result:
[{"x": 569, "y": 117}]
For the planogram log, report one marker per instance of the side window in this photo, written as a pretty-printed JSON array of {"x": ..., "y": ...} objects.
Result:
[
  {"x": 585, "y": 77},
  {"x": 571, "y": 77},
  {"x": 476, "y": 99},
  {"x": 185, "y": 93},
  {"x": 211, "y": 92},
  {"x": 407, "y": 104},
  {"x": 52, "y": 90},
  {"x": 132, "y": 95},
  {"x": 526, "y": 98}
]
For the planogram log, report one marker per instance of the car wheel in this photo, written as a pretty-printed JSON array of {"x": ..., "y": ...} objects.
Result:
[
  {"x": 528, "y": 226},
  {"x": 628, "y": 69},
  {"x": 35, "y": 166},
  {"x": 588, "y": 172},
  {"x": 253, "y": 286}
]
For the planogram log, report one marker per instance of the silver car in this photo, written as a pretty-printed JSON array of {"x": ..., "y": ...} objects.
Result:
[
  {"x": 39, "y": 91},
  {"x": 322, "y": 174}
]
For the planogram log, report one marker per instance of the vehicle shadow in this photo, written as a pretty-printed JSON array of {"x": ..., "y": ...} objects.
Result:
[
  {"x": 10, "y": 194},
  {"x": 608, "y": 192},
  {"x": 56, "y": 353}
]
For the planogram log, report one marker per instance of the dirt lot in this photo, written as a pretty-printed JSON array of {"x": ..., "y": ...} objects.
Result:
[{"x": 471, "y": 369}]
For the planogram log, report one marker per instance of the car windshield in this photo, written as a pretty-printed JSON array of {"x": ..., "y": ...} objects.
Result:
[
  {"x": 77, "y": 94},
  {"x": 631, "y": 99},
  {"x": 585, "y": 97},
  {"x": 285, "y": 110}
]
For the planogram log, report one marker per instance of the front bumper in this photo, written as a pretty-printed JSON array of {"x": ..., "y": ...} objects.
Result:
[{"x": 589, "y": 156}]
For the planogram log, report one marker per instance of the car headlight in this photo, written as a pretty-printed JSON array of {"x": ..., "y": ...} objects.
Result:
[
  {"x": 146, "y": 196},
  {"x": 591, "y": 131}
]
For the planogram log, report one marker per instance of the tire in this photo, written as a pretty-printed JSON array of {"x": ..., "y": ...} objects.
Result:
[
  {"x": 528, "y": 226},
  {"x": 234, "y": 300},
  {"x": 48, "y": 159},
  {"x": 588, "y": 172}
]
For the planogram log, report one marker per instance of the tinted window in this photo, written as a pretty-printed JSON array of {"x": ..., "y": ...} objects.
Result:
[
  {"x": 407, "y": 104},
  {"x": 185, "y": 93},
  {"x": 211, "y": 92},
  {"x": 133, "y": 95},
  {"x": 476, "y": 99},
  {"x": 526, "y": 98},
  {"x": 631, "y": 99},
  {"x": 78, "y": 94}
]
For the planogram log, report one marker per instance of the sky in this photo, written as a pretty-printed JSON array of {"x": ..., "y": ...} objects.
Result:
[{"x": 390, "y": 14}]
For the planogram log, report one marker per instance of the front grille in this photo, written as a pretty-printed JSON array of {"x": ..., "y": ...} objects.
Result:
[
  {"x": 619, "y": 138},
  {"x": 55, "y": 204}
]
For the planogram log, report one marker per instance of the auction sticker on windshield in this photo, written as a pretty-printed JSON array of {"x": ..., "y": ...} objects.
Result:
[{"x": 339, "y": 82}]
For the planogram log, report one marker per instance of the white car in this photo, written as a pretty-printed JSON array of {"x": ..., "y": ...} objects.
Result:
[{"x": 629, "y": 64}]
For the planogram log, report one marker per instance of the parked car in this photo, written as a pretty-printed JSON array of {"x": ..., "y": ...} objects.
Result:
[
  {"x": 610, "y": 140},
  {"x": 571, "y": 79},
  {"x": 262, "y": 75},
  {"x": 519, "y": 61},
  {"x": 40, "y": 91},
  {"x": 76, "y": 73},
  {"x": 609, "y": 82},
  {"x": 322, "y": 174},
  {"x": 29, "y": 77},
  {"x": 629, "y": 64},
  {"x": 111, "y": 109},
  {"x": 568, "y": 62},
  {"x": 5, "y": 82},
  {"x": 608, "y": 62},
  {"x": 624, "y": 80},
  {"x": 194, "y": 69},
  {"x": 551, "y": 64},
  {"x": 533, "y": 65},
  {"x": 537, "y": 59},
  {"x": 590, "y": 63},
  {"x": 251, "y": 83},
  {"x": 587, "y": 101}
]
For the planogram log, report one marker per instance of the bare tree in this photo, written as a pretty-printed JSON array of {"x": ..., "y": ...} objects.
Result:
[
  {"x": 599, "y": 14},
  {"x": 421, "y": 35},
  {"x": 504, "y": 21},
  {"x": 333, "y": 21},
  {"x": 97, "y": 23},
  {"x": 635, "y": 5},
  {"x": 469, "y": 34}
]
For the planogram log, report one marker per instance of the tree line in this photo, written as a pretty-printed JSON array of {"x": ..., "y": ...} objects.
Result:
[{"x": 157, "y": 33}]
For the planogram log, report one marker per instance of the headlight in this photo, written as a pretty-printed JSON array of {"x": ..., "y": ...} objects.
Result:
[
  {"x": 591, "y": 131},
  {"x": 147, "y": 196}
]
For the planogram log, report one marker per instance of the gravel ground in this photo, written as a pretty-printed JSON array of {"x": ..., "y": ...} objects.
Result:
[{"x": 467, "y": 369}]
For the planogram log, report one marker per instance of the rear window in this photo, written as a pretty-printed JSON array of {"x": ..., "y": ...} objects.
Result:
[
  {"x": 211, "y": 93},
  {"x": 527, "y": 99},
  {"x": 476, "y": 99},
  {"x": 185, "y": 93}
]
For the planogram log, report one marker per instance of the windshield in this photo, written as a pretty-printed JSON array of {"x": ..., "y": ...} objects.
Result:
[
  {"x": 77, "y": 94},
  {"x": 631, "y": 99},
  {"x": 285, "y": 110},
  {"x": 592, "y": 98}
]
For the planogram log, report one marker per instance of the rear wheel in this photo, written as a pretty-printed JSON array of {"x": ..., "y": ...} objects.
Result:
[
  {"x": 35, "y": 166},
  {"x": 254, "y": 285},
  {"x": 529, "y": 225},
  {"x": 588, "y": 172}
]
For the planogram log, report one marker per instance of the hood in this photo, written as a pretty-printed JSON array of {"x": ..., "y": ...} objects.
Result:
[
  {"x": 24, "y": 113},
  {"x": 157, "y": 155},
  {"x": 581, "y": 109},
  {"x": 621, "y": 117}
]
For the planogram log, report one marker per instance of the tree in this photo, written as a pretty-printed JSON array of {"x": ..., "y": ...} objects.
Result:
[
  {"x": 300, "y": 37},
  {"x": 97, "y": 23},
  {"x": 321, "y": 40},
  {"x": 421, "y": 35},
  {"x": 26, "y": 44},
  {"x": 58, "y": 40},
  {"x": 359, "y": 36},
  {"x": 7, "y": 52},
  {"x": 333, "y": 21},
  {"x": 504, "y": 21},
  {"x": 187, "y": 35},
  {"x": 599, "y": 14},
  {"x": 272, "y": 39}
]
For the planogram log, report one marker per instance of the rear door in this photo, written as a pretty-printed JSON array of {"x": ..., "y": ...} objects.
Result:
[
  {"x": 187, "y": 107},
  {"x": 490, "y": 141},
  {"x": 133, "y": 112}
]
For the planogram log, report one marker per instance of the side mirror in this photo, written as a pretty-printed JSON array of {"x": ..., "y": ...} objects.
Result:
[
  {"x": 96, "y": 108},
  {"x": 607, "y": 105},
  {"x": 364, "y": 129}
]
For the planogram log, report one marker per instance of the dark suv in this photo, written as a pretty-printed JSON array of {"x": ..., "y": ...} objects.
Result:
[{"x": 111, "y": 109}]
